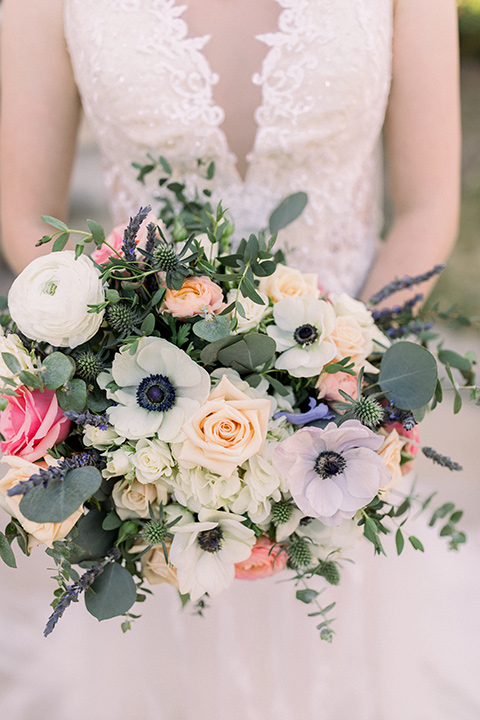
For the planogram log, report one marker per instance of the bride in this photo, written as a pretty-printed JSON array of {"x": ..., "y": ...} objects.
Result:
[{"x": 176, "y": 79}]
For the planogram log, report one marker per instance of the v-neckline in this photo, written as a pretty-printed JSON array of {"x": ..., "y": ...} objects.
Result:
[{"x": 201, "y": 40}]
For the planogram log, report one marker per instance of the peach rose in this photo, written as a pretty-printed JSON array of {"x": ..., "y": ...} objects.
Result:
[
  {"x": 197, "y": 295},
  {"x": 227, "y": 430},
  {"x": 329, "y": 384},
  {"x": 351, "y": 341},
  {"x": 391, "y": 454},
  {"x": 289, "y": 282},
  {"x": 32, "y": 423},
  {"x": 39, "y": 533},
  {"x": 263, "y": 561},
  {"x": 410, "y": 448},
  {"x": 115, "y": 239},
  {"x": 154, "y": 568}
]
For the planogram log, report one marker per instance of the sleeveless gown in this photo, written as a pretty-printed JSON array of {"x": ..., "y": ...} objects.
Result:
[{"x": 147, "y": 87}]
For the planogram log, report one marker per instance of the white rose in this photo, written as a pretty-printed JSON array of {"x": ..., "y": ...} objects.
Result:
[
  {"x": 152, "y": 460},
  {"x": 49, "y": 300},
  {"x": 346, "y": 306},
  {"x": 119, "y": 463},
  {"x": 13, "y": 345},
  {"x": 254, "y": 312},
  {"x": 289, "y": 282},
  {"x": 132, "y": 499},
  {"x": 101, "y": 439}
]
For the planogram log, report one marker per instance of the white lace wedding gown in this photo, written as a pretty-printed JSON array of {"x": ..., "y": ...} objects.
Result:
[{"x": 147, "y": 87}]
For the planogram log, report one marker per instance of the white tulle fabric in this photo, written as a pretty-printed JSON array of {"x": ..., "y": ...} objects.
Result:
[{"x": 147, "y": 87}]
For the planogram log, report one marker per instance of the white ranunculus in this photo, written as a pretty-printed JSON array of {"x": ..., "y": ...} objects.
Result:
[
  {"x": 152, "y": 460},
  {"x": 119, "y": 463},
  {"x": 302, "y": 333},
  {"x": 205, "y": 552},
  {"x": 49, "y": 300},
  {"x": 254, "y": 312},
  {"x": 12, "y": 345},
  {"x": 197, "y": 487},
  {"x": 155, "y": 390},
  {"x": 99, "y": 438}
]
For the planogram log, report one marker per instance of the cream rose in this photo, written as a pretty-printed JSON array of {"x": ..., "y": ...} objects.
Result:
[
  {"x": 132, "y": 498},
  {"x": 227, "y": 430},
  {"x": 254, "y": 312},
  {"x": 289, "y": 282},
  {"x": 391, "y": 454},
  {"x": 13, "y": 345},
  {"x": 49, "y": 300},
  {"x": 155, "y": 569},
  {"x": 119, "y": 463},
  {"x": 99, "y": 438},
  {"x": 39, "y": 533}
]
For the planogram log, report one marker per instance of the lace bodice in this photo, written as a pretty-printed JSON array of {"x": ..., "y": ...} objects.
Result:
[{"x": 147, "y": 87}]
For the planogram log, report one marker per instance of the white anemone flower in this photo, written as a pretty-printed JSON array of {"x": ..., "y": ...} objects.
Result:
[
  {"x": 155, "y": 390},
  {"x": 302, "y": 330},
  {"x": 205, "y": 552}
]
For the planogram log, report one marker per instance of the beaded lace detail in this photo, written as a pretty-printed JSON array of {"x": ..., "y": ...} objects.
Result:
[{"x": 147, "y": 87}]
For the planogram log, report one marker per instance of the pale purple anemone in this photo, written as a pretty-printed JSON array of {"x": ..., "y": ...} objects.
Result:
[{"x": 332, "y": 472}]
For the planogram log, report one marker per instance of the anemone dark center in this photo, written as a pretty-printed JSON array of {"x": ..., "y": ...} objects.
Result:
[
  {"x": 156, "y": 393},
  {"x": 211, "y": 540},
  {"x": 305, "y": 334},
  {"x": 329, "y": 463}
]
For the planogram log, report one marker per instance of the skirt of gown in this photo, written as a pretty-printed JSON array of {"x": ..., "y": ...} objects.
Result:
[{"x": 406, "y": 645}]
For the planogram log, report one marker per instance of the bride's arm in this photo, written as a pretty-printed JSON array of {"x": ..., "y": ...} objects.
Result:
[
  {"x": 40, "y": 113},
  {"x": 423, "y": 142}
]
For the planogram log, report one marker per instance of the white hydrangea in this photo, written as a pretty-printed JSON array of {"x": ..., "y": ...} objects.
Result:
[{"x": 197, "y": 487}]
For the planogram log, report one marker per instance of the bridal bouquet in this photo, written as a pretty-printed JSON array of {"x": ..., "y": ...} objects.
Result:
[{"x": 179, "y": 410}]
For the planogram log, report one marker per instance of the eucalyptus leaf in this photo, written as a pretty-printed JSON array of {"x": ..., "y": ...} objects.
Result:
[
  {"x": 449, "y": 357},
  {"x": 98, "y": 233},
  {"x": 93, "y": 540},
  {"x": 307, "y": 595},
  {"x": 148, "y": 325},
  {"x": 209, "y": 354},
  {"x": 399, "y": 541},
  {"x": 54, "y": 222},
  {"x": 408, "y": 375},
  {"x": 73, "y": 395},
  {"x": 29, "y": 379},
  {"x": 60, "y": 242},
  {"x": 112, "y": 593},
  {"x": 57, "y": 369},
  {"x": 288, "y": 211},
  {"x": 216, "y": 328},
  {"x": 61, "y": 498},
  {"x": 250, "y": 352},
  {"x": 6, "y": 552},
  {"x": 11, "y": 362}
]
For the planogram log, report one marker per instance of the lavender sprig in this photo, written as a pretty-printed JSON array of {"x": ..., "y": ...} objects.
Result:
[
  {"x": 73, "y": 591},
  {"x": 403, "y": 283},
  {"x": 87, "y": 418},
  {"x": 442, "y": 460},
  {"x": 131, "y": 231},
  {"x": 152, "y": 238},
  {"x": 56, "y": 472},
  {"x": 389, "y": 314}
]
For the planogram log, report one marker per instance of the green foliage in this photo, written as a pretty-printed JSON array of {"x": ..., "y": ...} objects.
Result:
[
  {"x": 73, "y": 395},
  {"x": 6, "y": 552},
  {"x": 57, "y": 369},
  {"x": 56, "y": 502},
  {"x": 112, "y": 593},
  {"x": 288, "y": 211},
  {"x": 93, "y": 540},
  {"x": 408, "y": 375}
]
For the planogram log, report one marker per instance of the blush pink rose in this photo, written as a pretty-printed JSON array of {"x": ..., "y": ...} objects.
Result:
[
  {"x": 329, "y": 384},
  {"x": 261, "y": 563},
  {"x": 197, "y": 295},
  {"x": 115, "y": 239},
  {"x": 32, "y": 424}
]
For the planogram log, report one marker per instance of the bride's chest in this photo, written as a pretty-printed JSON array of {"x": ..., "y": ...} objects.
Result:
[{"x": 149, "y": 63}]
